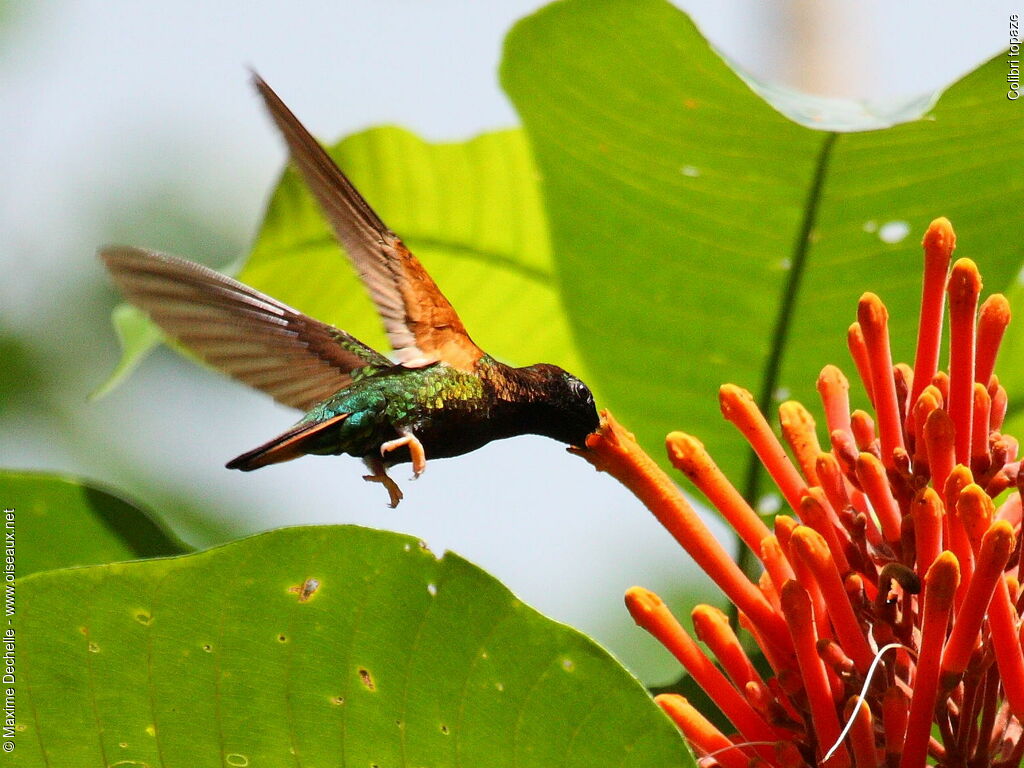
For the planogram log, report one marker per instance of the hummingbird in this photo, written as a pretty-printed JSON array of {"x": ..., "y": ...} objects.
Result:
[{"x": 441, "y": 395}]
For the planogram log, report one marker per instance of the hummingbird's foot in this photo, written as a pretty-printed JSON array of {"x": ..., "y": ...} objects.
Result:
[
  {"x": 419, "y": 458},
  {"x": 380, "y": 475}
]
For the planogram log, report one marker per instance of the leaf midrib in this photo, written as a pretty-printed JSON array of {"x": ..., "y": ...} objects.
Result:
[{"x": 783, "y": 320}]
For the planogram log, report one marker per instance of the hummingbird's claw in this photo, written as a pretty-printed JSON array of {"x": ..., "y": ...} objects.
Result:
[
  {"x": 419, "y": 458},
  {"x": 380, "y": 475}
]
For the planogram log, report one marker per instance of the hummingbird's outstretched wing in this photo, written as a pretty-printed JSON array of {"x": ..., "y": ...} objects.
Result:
[
  {"x": 258, "y": 340},
  {"x": 420, "y": 322}
]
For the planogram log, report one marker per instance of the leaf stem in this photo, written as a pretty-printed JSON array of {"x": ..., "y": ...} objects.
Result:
[{"x": 780, "y": 333}]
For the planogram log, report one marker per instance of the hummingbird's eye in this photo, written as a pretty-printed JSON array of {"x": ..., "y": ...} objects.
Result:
[{"x": 579, "y": 389}]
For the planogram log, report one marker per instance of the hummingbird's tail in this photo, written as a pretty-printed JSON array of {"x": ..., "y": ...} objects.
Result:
[{"x": 297, "y": 441}]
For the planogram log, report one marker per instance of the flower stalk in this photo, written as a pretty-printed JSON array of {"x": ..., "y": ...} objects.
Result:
[{"x": 904, "y": 533}]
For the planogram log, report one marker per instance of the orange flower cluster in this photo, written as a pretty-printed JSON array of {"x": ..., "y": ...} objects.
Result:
[{"x": 888, "y": 609}]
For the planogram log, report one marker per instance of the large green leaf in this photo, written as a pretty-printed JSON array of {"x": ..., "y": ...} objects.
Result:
[
  {"x": 63, "y": 521},
  {"x": 1011, "y": 373},
  {"x": 472, "y": 213},
  {"x": 314, "y": 647},
  {"x": 703, "y": 238}
]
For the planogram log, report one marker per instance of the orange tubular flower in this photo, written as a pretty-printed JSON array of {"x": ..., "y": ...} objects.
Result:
[
  {"x": 964, "y": 287},
  {"x": 889, "y": 606},
  {"x": 652, "y": 614},
  {"x": 796, "y": 605},
  {"x": 738, "y": 406},
  {"x": 614, "y": 450},
  {"x": 834, "y": 389},
  {"x": 712, "y": 628},
  {"x": 798, "y": 429},
  {"x": 927, "y": 512},
  {"x": 810, "y": 546},
  {"x": 895, "y": 707},
  {"x": 700, "y": 732},
  {"x": 940, "y": 584},
  {"x": 875, "y": 483},
  {"x": 687, "y": 454},
  {"x": 993, "y": 318},
  {"x": 995, "y": 551},
  {"x": 859, "y": 352},
  {"x": 874, "y": 322},
  {"x": 938, "y": 243}
]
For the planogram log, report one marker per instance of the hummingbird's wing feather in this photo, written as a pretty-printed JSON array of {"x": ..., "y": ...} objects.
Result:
[
  {"x": 420, "y": 322},
  {"x": 295, "y": 359}
]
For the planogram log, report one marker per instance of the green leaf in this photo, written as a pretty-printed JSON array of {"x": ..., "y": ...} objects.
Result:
[
  {"x": 703, "y": 238},
  {"x": 1011, "y": 376},
  {"x": 63, "y": 521},
  {"x": 316, "y": 646},
  {"x": 472, "y": 213},
  {"x": 137, "y": 337}
]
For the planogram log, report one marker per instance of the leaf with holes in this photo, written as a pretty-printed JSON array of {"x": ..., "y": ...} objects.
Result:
[
  {"x": 703, "y": 238},
  {"x": 316, "y": 646},
  {"x": 470, "y": 211},
  {"x": 64, "y": 521}
]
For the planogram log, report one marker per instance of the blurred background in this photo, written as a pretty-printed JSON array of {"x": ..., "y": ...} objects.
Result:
[{"x": 135, "y": 122}]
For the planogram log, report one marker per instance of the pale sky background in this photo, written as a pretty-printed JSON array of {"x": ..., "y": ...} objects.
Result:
[{"x": 113, "y": 114}]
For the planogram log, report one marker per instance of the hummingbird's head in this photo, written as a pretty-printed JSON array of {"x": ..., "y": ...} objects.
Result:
[{"x": 566, "y": 410}]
